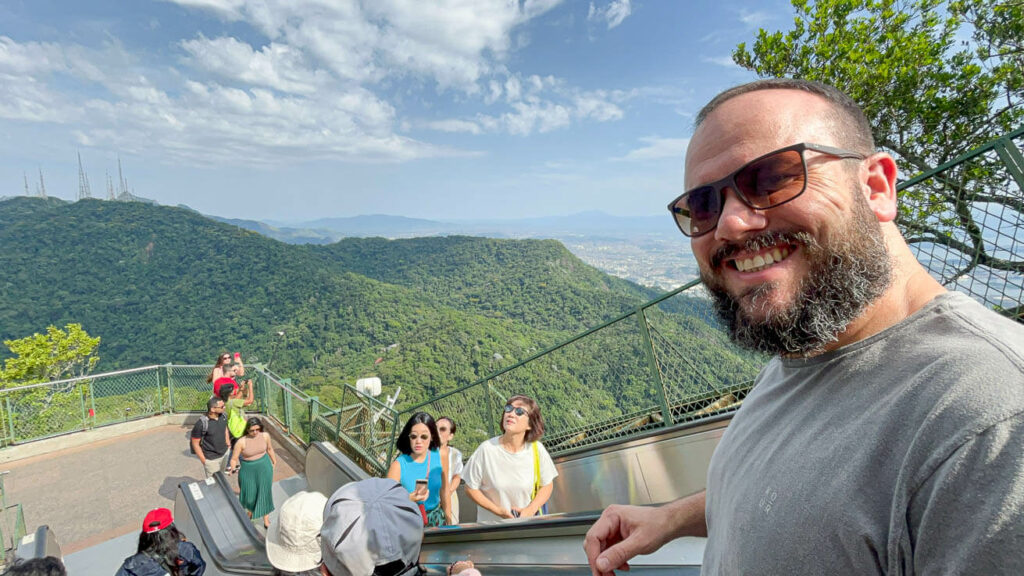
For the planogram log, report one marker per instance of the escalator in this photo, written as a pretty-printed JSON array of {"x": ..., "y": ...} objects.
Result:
[{"x": 643, "y": 470}]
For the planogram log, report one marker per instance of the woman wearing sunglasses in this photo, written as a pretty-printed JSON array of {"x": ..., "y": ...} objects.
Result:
[
  {"x": 254, "y": 459},
  {"x": 511, "y": 476},
  {"x": 421, "y": 470}
]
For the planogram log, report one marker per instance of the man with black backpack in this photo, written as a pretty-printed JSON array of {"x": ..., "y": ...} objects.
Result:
[{"x": 210, "y": 437}]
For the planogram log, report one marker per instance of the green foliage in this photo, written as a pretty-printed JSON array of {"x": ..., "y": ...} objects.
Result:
[
  {"x": 166, "y": 285},
  {"x": 928, "y": 94},
  {"x": 56, "y": 355}
]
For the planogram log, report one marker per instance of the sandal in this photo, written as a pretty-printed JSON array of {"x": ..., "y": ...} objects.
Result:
[{"x": 459, "y": 566}]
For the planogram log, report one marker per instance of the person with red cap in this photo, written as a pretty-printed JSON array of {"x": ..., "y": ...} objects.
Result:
[{"x": 162, "y": 550}]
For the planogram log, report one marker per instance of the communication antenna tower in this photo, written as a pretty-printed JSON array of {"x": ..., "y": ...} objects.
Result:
[
  {"x": 27, "y": 193},
  {"x": 110, "y": 188},
  {"x": 122, "y": 182},
  {"x": 83, "y": 181},
  {"x": 42, "y": 185}
]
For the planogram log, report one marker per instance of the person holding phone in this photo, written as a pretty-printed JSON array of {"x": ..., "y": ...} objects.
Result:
[
  {"x": 422, "y": 471},
  {"x": 221, "y": 368},
  {"x": 512, "y": 475}
]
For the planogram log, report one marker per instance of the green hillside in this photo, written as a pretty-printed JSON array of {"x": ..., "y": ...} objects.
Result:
[
  {"x": 162, "y": 284},
  {"x": 537, "y": 282}
]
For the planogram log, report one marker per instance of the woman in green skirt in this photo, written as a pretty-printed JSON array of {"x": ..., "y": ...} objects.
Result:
[{"x": 256, "y": 476}]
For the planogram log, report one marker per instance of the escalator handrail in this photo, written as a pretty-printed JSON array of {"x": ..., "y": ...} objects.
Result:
[{"x": 209, "y": 541}]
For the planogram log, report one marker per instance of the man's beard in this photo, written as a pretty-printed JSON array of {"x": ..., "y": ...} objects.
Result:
[{"x": 846, "y": 273}]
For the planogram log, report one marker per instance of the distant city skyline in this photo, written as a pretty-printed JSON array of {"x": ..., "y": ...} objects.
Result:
[{"x": 294, "y": 110}]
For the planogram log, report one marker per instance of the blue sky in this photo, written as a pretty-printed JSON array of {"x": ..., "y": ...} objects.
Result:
[{"x": 302, "y": 109}]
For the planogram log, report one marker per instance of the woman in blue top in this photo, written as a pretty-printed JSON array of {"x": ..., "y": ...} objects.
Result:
[{"x": 420, "y": 459}]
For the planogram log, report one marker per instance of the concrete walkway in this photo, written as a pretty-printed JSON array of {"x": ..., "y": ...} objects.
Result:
[{"x": 98, "y": 492}]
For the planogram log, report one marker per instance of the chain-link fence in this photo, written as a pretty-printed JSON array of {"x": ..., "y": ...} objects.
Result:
[
  {"x": 665, "y": 363},
  {"x": 964, "y": 221},
  {"x": 49, "y": 409}
]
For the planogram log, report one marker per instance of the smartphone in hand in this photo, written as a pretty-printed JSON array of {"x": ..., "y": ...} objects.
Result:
[{"x": 238, "y": 356}]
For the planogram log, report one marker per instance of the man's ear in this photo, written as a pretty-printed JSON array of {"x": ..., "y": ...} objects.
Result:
[{"x": 878, "y": 181}]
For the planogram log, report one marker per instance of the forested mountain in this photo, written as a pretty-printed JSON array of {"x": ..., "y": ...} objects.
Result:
[
  {"x": 537, "y": 282},
  {"x": 162, "y": 284}
]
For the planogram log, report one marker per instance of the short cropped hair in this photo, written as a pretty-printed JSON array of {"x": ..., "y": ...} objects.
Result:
[
  {"x": 850, "y": 125},
  {"x": 212, "y": 402},
  {"x": 536, "y": 420}
]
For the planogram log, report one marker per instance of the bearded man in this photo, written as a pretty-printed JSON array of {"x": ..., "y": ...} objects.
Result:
[{"x": 886, "y": 436}]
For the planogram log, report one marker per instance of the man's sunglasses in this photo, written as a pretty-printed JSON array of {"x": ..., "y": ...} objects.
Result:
[
  {"x": 519, "y": 411},
  {"x": 764, "y": 182}
]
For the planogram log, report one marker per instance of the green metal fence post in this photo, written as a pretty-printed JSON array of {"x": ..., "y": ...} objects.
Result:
[
  {"x": 489, "y": 416},
  {"x": 652, "y": 364},
  {"x": 81, "y": 397},
  {"x": 288, "y": 411},
  {"x": 92, "y": 401},
  {"x": 314, "y": 411},
  {"x": 169, "y": 377},
  {"x": 160, "y": 384},
  {"x": 10, "y": 418}
]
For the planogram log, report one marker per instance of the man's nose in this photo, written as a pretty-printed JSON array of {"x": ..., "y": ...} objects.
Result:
[{"x": 737, "y": 219}]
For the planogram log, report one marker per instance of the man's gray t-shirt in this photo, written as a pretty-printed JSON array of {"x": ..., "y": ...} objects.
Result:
[{"x": 899, "y": 454}]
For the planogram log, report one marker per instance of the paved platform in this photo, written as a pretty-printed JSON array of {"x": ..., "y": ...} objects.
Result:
[{"x": 98, "y": 492}]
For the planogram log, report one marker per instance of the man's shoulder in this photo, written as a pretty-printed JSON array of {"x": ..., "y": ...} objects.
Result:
[
  {"x": 201, "y": 424},
  {"x": 982, "y": 329}
]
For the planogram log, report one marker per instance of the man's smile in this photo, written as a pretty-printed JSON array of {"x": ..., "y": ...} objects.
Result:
[{"x": 761, "y": 260}]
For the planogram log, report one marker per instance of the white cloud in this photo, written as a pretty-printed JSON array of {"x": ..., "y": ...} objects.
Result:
[
  {"x": 454, "y": 126},
  {"x": 723, "y": 61},
  {"x": 276, "y": 66},
  {"x": 320, "y": 84},
  {"x": 453, "y": 43},
  {"x": 613, "y": 14},
  {"x": 755, "y": 19},
  {"x": 658, "y": 149}
]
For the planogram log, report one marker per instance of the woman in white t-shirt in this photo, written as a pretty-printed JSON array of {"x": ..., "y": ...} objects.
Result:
[{"x": 511, "y": 476}]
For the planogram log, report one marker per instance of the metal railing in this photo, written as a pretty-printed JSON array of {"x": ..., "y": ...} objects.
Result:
[
  {"x": 363, "y": 425},
  {"x": 12, "y": 523},
  {"x": 662, "y": 364},
  {"x": 965, "y": 222}
]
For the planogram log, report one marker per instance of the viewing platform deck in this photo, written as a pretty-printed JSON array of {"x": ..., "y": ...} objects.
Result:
[{"x": 99, "y": 492}]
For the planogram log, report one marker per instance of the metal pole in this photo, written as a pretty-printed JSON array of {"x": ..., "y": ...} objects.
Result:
[
  {"x": 81, "y": 397},
  {"x": 10, "y": 418},
  {"x": 169, "y": 377},
  {"x": 652, "y": 363}
]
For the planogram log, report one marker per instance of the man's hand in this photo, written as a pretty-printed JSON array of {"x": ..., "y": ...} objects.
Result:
[{"x": 621, "y": 533}]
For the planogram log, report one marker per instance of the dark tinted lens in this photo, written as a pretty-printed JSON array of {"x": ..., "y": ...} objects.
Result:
[
  {"x": 520, "y": 411},
  {"x": 698, "y": 210},
  {"x": 772, "y": 180}
]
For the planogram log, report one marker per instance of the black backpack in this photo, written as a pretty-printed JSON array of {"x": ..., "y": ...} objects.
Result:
[{"x": 205, "y": 419}]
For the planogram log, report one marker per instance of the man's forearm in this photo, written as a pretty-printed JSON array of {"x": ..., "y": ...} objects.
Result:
[{"x": 687, "y": 516}]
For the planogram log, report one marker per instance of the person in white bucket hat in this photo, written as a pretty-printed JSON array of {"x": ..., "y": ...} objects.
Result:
[{"x": 293, "y": 541}]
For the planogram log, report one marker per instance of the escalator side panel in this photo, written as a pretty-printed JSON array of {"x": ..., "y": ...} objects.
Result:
[
  {"x": 327, "y": 469},
  {"x": 208, "y": 513}
]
